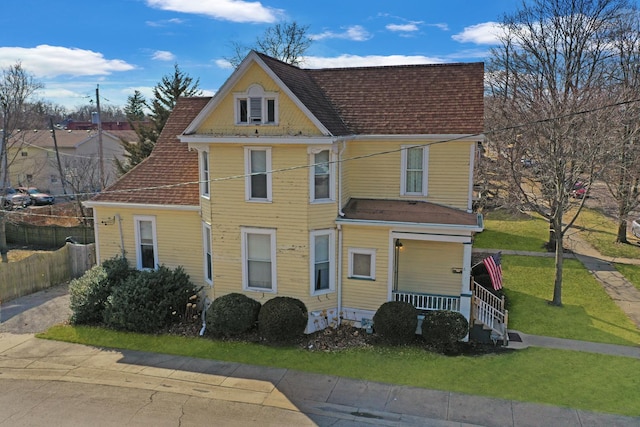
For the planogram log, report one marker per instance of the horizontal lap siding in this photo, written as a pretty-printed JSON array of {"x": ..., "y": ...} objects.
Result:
[
  {"x": 376, "y": 177},
  {"x": 425, "y": 267},
  {"x": 366, "y": 294},
  {"x": 449, "y": 165},
  {"x": 179, "y": 235}
]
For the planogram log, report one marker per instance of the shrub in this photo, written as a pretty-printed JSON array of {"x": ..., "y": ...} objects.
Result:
[
  {"x": 395, "y": 322},
  {"x": 282, "y": 319},
  {"x": 87, "y": 295},
  {"x": 232, "y": 314},
  {"x": 149, "y": 300},
  {"x": 443, "y": 328}
]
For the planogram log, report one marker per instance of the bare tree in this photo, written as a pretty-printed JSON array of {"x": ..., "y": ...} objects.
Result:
[
  {"x": 286, "y": 41},
  {"x": 16, "y": 87},
  {"x": 546, "y": 86},
  {"x": 623, "y": 177}
]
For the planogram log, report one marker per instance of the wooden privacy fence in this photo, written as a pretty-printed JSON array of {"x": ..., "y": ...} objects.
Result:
[
  {"x": 49, "y": 236},
  {"x": 44, "y": 269}
]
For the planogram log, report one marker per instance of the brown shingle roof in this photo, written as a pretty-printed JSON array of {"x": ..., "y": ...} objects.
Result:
[
  {"x": 169, "y": 175},
  {"x": 407, "y": 211},
  {"x": 392, "y": 100}
]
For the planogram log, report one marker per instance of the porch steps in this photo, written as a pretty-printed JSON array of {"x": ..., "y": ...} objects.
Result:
[{"x": 484, "y": 334}]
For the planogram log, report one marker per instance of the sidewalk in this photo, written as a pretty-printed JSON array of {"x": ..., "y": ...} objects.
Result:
[{"x": 303, "y": 398}]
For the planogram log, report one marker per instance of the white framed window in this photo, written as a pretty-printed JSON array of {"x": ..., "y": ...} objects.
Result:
[
  {"x": 146, "y": 242},
  {"x": 259, "y": 259},
  {"x": 322, "y": 179},
  {"x": 256, "y": 106},
  {"x": 257, "y": 174},
  {"x": 322, "y": 256},
  {"x": 362, "y": 263},
  {"x": 204, "y": 173},
  {"x": 207, "y": 252},
  {"x": 415, "y": 161}
]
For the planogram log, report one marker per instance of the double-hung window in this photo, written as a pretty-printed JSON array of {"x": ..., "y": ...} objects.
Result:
[
  {"x": 146, "y": 242},
  {"x": 256, "y": 106},
  {"x": 322, "y": 258},
  {"x": 322, "y": 176},
  {"x": 257, "y": 174},
  {"x": 362, "y": 263},
  {"x": 208, "y": 253},
  {"x": 415, "y": 162},
  {"x": 204, "y": 173},
  {"x": 259, "y": 259}
]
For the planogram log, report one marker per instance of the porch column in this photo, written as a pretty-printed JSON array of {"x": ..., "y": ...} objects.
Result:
[{"x": 465, "y": 291}]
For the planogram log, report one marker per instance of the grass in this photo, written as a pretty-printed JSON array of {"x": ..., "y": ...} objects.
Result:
[
  {"x": 521, "y": 233},
  {"x": 631, "y": 273},
  {"x": 601, "y": 232},
  {"x": 588, "y": 313},
  {"x": 567, "y": 378}
]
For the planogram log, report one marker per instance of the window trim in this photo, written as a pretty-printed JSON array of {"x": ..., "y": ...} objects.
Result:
[
  {"x": 312, "y": 261},
  {"x": 205, "y": 174},
  {"x": 425, "y": 170},
  {"x": 247, "y": 172},
  {"x": 207, "y": 256},
  {"x": 271, "y": 232},
  {"x": 256, "y": 91},
  {"x": 137, "y": 219},
  {"x": 312, "y": 175},
  {"x": 372, "y": 267}
]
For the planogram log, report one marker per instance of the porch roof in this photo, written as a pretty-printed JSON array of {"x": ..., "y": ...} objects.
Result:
[{"x": 409, "y": 211}]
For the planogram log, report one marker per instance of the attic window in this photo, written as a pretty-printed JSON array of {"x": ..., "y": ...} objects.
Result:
[{"x": 255, "y": 106}]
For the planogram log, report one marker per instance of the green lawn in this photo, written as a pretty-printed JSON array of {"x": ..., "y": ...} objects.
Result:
[
  {"x": 521, "y": 233},
  {"x": 556, "y": 377},
  {"x": 601, "y": 231},
  {"x": 631, "y": 273}
]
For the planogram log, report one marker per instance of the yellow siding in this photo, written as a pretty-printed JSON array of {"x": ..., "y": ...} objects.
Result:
[
  {"x": 425, "y": 267},
  {"x": 179, "y": 235},
  {"x": 378, "y": 177},
  {"x": 292, "y": 121},
  {"x": 366, "y": 294}
]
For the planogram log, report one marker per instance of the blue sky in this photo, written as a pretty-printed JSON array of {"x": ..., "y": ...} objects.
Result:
[{"x": 122, "y": 45}]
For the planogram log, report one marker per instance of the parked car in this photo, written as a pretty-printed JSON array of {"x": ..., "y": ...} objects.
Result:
[
  {"x": 15, "y": 199},
  {"x": 579, "y": 190},
  {"x": 36, "y": 196},
  {"x": 635, "y": 227}
]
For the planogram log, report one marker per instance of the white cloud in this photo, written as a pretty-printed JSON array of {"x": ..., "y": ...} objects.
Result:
[
  {"x": 485, "y": 33},
  {"x": 355, "y": 32},
  {"x": 227, "y": 10},
  {"x": 344, "y": 61},
  {"x": 51, "y": 61},
  {"x": 224, "y": 64},
  {"x": 404, "y": 28},
  {"x": 163, "y": 55},
  {"x": 164, "y": 23}
]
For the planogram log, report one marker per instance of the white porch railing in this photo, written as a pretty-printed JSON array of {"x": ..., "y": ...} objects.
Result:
[
  {"x": 489, "y": 309},
  {"x": 428, "y": 301}
]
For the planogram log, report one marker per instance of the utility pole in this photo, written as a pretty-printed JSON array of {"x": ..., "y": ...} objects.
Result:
[
  {"x": 55, "y": 145},
  {"x": 100, "y": 152}
]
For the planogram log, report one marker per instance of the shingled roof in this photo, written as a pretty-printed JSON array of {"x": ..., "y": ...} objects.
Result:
[
  {"x": 391, "y": 100},
  {"x": 170, "y": 174}
]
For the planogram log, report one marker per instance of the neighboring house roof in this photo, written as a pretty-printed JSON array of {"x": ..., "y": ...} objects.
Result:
[
  {"x": 407, "y": 211},
  {"x": 66, "y": 138},
  {"x": 169, "y": 176},
  {"x": 391, "y": 100}
]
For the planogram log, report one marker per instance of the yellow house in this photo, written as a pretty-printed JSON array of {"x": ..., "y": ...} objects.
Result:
[{"x": 344, "y": 188}]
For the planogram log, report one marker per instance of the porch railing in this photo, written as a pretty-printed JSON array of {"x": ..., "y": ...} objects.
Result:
[
  {"x": 428, "y": 301},
  {"x": 489, "y": 310}
]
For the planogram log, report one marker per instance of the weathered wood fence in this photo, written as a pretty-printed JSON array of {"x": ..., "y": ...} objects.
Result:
[{"x": 48, "y": 236}]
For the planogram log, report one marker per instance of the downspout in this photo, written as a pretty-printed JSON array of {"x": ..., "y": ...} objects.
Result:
[
  {"x": 119, "y": 219},
  {"x": 341, "y": 215}
]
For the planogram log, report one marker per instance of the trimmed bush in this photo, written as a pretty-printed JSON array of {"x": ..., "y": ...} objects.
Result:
[
  {"x": 232, "y": 314},
  {"x": 149, "y": 300},
  {"x": 395, "y": 322},
  {"x": 443, "y": 328},
  {"x": 87, "y": 295},
  {"x": 282, "y": 320}
]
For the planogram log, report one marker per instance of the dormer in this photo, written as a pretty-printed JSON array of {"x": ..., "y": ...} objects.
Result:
[{"x": 256, "y": 106}]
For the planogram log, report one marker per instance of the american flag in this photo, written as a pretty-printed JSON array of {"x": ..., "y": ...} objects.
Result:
[{"x": 495, "y": 270}]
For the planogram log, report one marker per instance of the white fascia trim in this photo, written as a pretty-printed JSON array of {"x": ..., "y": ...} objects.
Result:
[
  {"x": 413, "y": 225},
  {"x": 428, "y": 237},
  {"x": 195, "y": 140},
  {"x": 435, "y": 137},
  {"x": 90, "y": 204}
]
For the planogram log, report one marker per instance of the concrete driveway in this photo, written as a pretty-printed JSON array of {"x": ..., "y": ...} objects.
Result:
[{"x": 37, "y": 312}]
